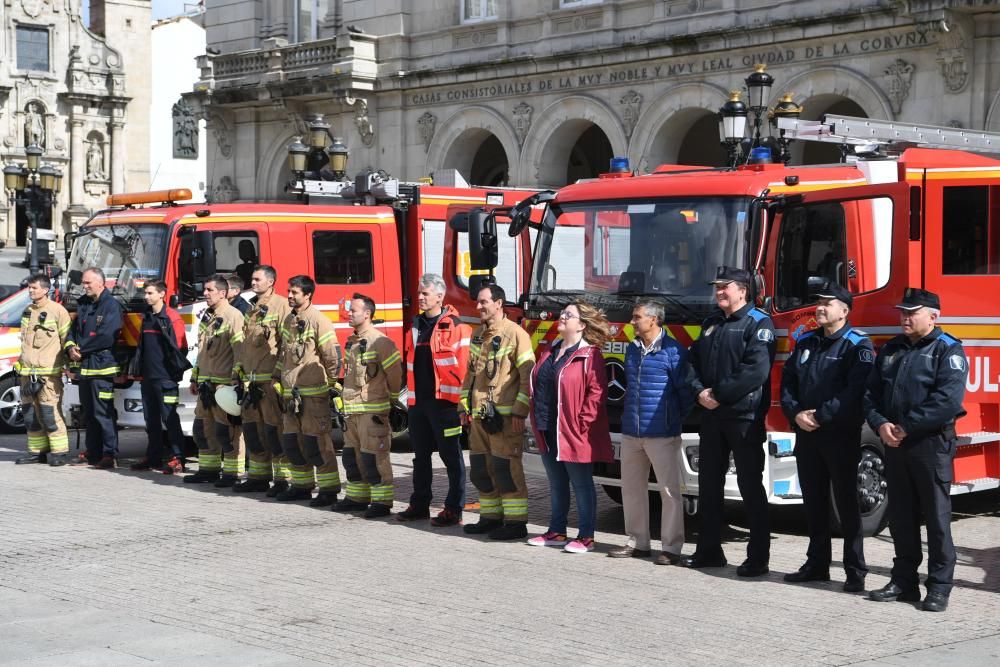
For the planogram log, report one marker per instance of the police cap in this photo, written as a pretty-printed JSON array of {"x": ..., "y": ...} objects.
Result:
[
  {"x": 915, "y": 298},
  {"x": 729, "y": 274},
  {"x": 834, "y": 291}
]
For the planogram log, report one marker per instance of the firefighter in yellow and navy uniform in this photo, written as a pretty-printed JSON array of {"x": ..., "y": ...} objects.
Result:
[
  {"x": 495, "y": 403},
  {"x": 220, "y": 334},
  {"x": 308, "y": 366},
  {"x": 262, "y": 409},
  {"x": 45, "y": 327},
  {"x": 373, "y": 379}
]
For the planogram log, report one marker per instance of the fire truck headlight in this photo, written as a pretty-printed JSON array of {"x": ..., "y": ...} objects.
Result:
[{"x": 691, "y": 452}]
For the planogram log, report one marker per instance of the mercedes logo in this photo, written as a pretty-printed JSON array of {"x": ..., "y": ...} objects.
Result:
[{"x": 616, "y": 381}]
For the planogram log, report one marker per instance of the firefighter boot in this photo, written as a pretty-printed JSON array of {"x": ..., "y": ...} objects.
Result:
[
  {"x": 57, "y": 460},
  {"x": 484, "y": 526},
  {"x": 252, "y": 486},
  {"x": 226, "y": 481},
  {"x": 278, "y": 487},
  {"x": 31, "y": 458},
  {"x": 512, "y": 530},
  {"x": 323, "y": 499},
  {"x": 202, "y": 476},
  {"x": 377, "y": 510},
  {"x": 295, "y": 493}
]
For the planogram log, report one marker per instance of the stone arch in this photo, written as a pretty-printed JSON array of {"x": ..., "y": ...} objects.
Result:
[
  {"x": 272, "y": 168},
  {"x": 557, "y": 128},
  {"x": 456, "y": 140},
  {"x": 661, "y": 130},
  {"x": 993, "y": 115},
  {"x": 840, "y": 82}
]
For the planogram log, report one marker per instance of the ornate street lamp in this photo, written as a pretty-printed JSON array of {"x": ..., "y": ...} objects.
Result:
[
  {"x": 297, "y": 154},
  {"x": 785, "y": 108},
  {"x": 338, "y": 158},
  {"x": 35, "y": 188},
  {"x": 733, "y": 125},
  {"x": 734, "y": 114}
]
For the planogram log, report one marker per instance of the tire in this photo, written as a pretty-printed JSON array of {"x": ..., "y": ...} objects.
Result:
[
  {"x": 11, "y": 419},
  {"x": 614, "y": 492},
  {"x": 873, "y": 488}
]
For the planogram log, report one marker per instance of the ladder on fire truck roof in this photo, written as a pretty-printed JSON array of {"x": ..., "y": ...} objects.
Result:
[{"x": 893, "y": 135}]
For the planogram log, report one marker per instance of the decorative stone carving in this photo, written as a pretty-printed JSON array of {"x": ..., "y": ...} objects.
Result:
[
  {"x": 363, "y": 123},
  {"x": 225, "y": 192},
  {"x": 34, "y": 125},
  {"x": 900, "y": 75},
  {"x": 952, "y": 56},
  {"x": 32, "y": 7},
  {"x": 221, "y": 133},
  {"x": 185, "y": 131},
  {"x": 522, "y": 121},
  {"x": 426, "y": 125},
  {"x": 631, "y": 105},
  {"x": 95, "y": 161}
]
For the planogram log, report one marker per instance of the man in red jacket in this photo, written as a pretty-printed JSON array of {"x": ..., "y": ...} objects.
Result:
[{"x": 434, "y": 383}]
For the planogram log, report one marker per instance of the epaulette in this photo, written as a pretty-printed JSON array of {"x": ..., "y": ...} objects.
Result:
[
  {"x": 757, "y": 314},
  {"x": 948, "y": 339},
  {"x": 855, "y": 336}
]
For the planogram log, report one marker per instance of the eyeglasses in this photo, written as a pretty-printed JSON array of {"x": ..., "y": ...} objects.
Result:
[{"x": 566, "y": 315}]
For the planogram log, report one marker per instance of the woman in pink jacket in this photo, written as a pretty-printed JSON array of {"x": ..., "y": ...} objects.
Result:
[{"x": 570, "y": 420}]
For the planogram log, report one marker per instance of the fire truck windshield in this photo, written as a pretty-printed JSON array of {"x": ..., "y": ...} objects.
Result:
[
  {"x": 610, "y": 252},
  {"x": 129, "y": 255}
]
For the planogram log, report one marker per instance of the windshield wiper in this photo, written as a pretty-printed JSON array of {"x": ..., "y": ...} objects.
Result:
[{"x": 675, "y": 301}]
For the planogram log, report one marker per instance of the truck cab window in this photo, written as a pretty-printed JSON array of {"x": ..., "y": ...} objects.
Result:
[
  {"x": 343, "y": 258},
  {"x": 811, "y": 252},
  {"x": 970, "y": 220}
]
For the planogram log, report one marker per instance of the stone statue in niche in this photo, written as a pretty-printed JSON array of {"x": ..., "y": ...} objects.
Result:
[
  {"x": 185, "y": 132},
  {"x": 34, "y": 126},
  {"x": 95, "y": 161}
]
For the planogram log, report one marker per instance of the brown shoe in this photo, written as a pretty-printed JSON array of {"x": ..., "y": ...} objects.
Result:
[
  {"x": 667, "y": 558},
  {"x": 628, "y": 551},
  {"x": 446, "y": 518},
  {"x": 106, "y": 463}
]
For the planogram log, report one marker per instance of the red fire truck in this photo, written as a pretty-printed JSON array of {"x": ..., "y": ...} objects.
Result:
[{"x": 927, "y": 217}]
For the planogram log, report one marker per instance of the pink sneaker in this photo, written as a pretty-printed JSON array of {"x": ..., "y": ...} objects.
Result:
[
  {"x": 549, "y": 539},
  {"x": 580, "y": 545}
]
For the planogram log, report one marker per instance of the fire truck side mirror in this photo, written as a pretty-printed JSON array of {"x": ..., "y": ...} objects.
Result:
[
  {"x": 478, "y": 282},
  {"x": 520, "y": 214},
  {"x": 174, "y": 301},
  {"x": 203, "y": 253},
  {"x": 483, "y": 255}
]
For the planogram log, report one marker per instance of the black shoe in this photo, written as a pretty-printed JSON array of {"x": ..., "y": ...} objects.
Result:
[
  {"x": 107, "y": 462},
  {"x": 294, "y": 493},
  {"x": 667, "y": 558},
  {"x": 277, "y": 488},
  {"x": 892, "y": 592},
  {"x": 628, "y": 551},
  {"x": 350, "y": 505},
  {"x": 935, "y": 602},
  {"x": 413, "y": 513},
  {"x": 56, "y": 460},
  {"x": 226, "y": 481},
  {"x": 855, "y": 583},
  {"x": 31, "y": 458},
  {"x": 446, "y": 517},
  {"x": 202, "y": 476},
  {"x": 483, "y": 526},
  {"x": 751, "y": 569},
  {"x": 252, "y": 486},
  {"x": 323, "y": 499},
  {"x": 808, "y": 573},
  {"x": 143, "y": 466},
  {"x": 377, "y": 510},
  {"x": 697, "y": 561},
  {"x": 515, "y": 530}
]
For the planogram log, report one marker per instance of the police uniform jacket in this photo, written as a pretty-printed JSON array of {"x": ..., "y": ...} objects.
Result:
[
  {"x": 44, "y": 329},
  {"x": 220, "y": 333},
  {"x": 310, "y": 354},
  {"x": 171, "y": 327},
  {"x": 828, "y": 374},
  {"x": 919, "y": 386},
  {"x": 733, "y": 357},
  {"x": 95, "y": 330},
  {"x": 373, "y": 373},
  {"x": 500, "y": 363},
  {"x": 262, "y": 337}
]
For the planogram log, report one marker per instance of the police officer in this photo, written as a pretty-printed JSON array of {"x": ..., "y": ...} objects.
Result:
[
  {"x": 308, "y": 366},
  {"x": 732, "y": 361},
  {"x": 262, "y": 412},
  {"x": 494, "y": 405},
  {"x": 161, "y": 359},
  {"x": 45, "y": 327},
  {"x": 821, "y": 389},
  {"x": 912, "y": 401},
  {"x": 96, "y": 328},
  {"x": 234, "y": 295},
  {"x": 220, "y": 333},
  {"x": 373, "y": 379}
]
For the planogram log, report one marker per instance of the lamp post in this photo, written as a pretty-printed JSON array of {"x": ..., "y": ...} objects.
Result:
[
  {"x": 733, "y": 116},
  {"x": 35, "y": 187},
  {"x": 307, "y": 160}
]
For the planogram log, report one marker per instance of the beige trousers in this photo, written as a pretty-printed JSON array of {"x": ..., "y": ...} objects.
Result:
[{"x": 664, "y": 455}]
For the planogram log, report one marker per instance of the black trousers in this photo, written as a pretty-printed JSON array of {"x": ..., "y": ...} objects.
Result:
[
  {"x": 434, "y": 424},
  {"x": 826, "y": 460},
  {"x": 159, "y": 408},
  {"x": 97, "y": 398},
  {"x": 745, "y": 439},
  {"x": 919, "y": 475}
]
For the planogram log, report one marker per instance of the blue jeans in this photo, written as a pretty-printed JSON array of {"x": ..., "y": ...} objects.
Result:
[{"x": 561, "y": 474}]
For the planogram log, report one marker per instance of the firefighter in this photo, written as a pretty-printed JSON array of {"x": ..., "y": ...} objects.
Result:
[
  {"x": 261, "y": 402},
  {"x": 220, "y": 333},
  {"x": 96, "y": 328},
  {"x": 821, "y": 388},
  {"x": 731, "y": 363},
  {"x": 161, "y": 359},
  {"x": 434, "y": 379},
  {"x": 45, "y": 326},
  {"x": 912, "y": 401},
  {"x": 308, "y": 366},
  {"x": 373, "y": 379},
  {"x": 494, "y": 405}
]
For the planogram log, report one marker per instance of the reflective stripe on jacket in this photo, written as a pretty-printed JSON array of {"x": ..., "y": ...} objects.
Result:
[{"x": 450, "y": 350}]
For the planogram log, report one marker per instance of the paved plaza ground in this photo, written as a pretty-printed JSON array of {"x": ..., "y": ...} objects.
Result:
[{"x": 120, "y": 568}]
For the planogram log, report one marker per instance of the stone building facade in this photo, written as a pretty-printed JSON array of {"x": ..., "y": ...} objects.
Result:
[
  {"x": 542, "y": 92},
  {"x": 64, "y": 86}
]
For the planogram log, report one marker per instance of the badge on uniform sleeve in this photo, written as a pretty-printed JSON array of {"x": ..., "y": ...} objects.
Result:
[
  {"x": 866, "y": 356},
  {"x": 765, "y": 335},
  {"x": 957, "y": 362},
  {"x": 709, "y": 330},
  {"x": 804, "y": 356}
]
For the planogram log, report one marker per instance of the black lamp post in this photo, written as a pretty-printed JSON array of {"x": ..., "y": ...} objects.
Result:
[
  {"x": 733, "y": 116},
  {"x": 786, "y": 108},
  {"x": 308, "y": 160},
  {"x": 35, "y": 187},
  {"x": 733, "y": 125}
]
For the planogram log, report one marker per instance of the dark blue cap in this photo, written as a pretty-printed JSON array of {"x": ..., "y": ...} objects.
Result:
[
  {"x": 834, "y": 291},
  {"x": 730, "y": 274},
  {"x": 915, "y": 298}
]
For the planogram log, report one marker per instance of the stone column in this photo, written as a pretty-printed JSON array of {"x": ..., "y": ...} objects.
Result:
[
  {"x": 117, "y": 157},
  {"x": 77, "y": 161}
]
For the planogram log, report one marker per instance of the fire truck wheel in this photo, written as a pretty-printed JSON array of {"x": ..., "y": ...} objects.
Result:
[
  {"x": 873, "y": 489},
  {"x": 11, "y": 419}
]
